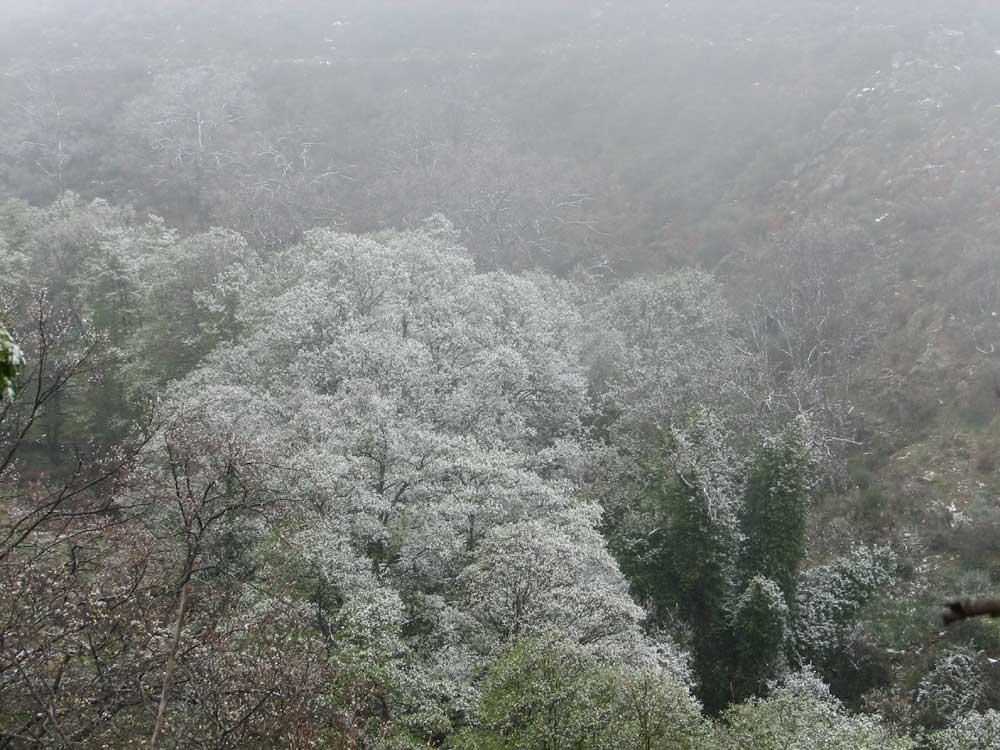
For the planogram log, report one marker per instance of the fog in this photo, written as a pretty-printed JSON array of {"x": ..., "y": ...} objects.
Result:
[{"x": 430, "y": 373}]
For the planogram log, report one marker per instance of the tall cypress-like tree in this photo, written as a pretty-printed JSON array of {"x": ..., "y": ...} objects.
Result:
[
  {"x": 724, "y": 560},
  {"x": 774, "y": 510},
  {"x": 693, "y": 577},
  {"x": 757, "y": 632},
  {"x": 684, "y": 564}
]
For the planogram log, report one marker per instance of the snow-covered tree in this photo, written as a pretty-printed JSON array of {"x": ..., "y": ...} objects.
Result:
[
  {"x": 534, "y": 577},
  {"x": 774, "y": 511},
  {"x": 971, "y": 731},
  {"x": 829, "y": 598},
  {"x": 954, "y": 686},
  {"x": 432, "y": 419},
  {"x": 542, "y": 693},
  {"x": 758, "y": 624},
  {"x": 714, "y": 540},
  {"x": 660, "y": 347},
  {"x": 159, "y": 302},
  {"x": 795, "y": 720}
]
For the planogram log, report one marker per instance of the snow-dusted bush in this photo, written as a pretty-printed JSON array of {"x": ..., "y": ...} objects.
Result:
[
  {"x": 953, "y": 687},
  {"x": 971, "y": 731},
  {"x": 794, "y": 720},
  {"x": 829, "y": 598}
]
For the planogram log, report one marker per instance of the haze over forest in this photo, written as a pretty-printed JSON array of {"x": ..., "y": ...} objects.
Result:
[{"x": 558, "y": 374}]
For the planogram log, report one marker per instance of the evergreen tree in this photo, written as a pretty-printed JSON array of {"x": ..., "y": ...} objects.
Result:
[
  {"x": 686, "y": 571},
  {"x": 684, "y": 568},
  {"x": 758, "y": 627},
  {"x": 10, "y": 365},
  {"x": 774, "y": 509},
  {"x": 724, "y": 553}
]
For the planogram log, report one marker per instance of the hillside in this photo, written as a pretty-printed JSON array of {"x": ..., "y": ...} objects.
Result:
[{"x": 752, "y": 215}]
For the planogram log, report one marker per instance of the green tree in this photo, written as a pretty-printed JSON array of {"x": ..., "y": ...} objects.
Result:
[
  {"x": 718, "y": 548},
  {"x": 971, "y": 731},
  {"x": 11, "y": 360},
  {"x": 757, "y": 631},
  {"x": 551, "y": 695},
  {"x": 792, "y": 720},
  {"x": 684, "y": 564},
  {"x": 774, "y": 509},
  {"x": 680, "y": 554}
]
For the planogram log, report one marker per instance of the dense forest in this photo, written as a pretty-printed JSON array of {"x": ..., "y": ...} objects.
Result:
[{"x": 552, "y": 375}]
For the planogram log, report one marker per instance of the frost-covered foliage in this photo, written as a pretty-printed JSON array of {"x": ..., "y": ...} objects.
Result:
[
  {"x": 954, "y": 686},
  {"x": 533, "y": 577},
  {"x": 829, "y": 598},
  {"x": 971, "y": 731},
  {"x": 432, "y": 419},
  {"x": 679, "y": 551},
  {"x": 684, "y": 529},
  {"x": 545, "y": 694},
  {"x": 805, "y": 683},
  {"x": 160, "y": 302},
  {"x": 774, "y": 510},
  {"x": 699, "y": 450},
  {"x": 661, "y": 346},
  {"x": 716, "y": 543},
  {"x": 758, "y": 624},
  {"x": 188, "y": 294},
  {"x": 435, "y": 440},
  {"x": 792, "y": 719}
]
